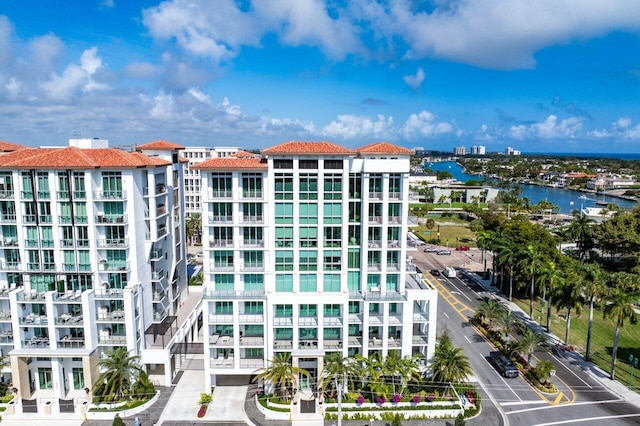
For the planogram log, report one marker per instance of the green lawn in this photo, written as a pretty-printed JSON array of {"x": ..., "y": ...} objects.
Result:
[
  {"x": 601, "y": 338},
  {"x": 451, "y": 235}
]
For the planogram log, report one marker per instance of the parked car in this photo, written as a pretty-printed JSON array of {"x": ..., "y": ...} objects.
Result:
[
  {"x": 443, "y": 252},
  {"x": 430, "y": 250},
  {"x": 435, "y": 272},
  {"x": 463, "y": 248},
  {"x": 504, "y": 365}
]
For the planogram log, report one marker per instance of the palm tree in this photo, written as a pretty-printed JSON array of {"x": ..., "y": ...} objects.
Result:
[
  {"x": 508, "y": 323},
  {"x": 403, "y": 369},
  {"x": 282, "y": 374},
  {"x": 594, "y": 288},
  {"x": 337, "y": 369},
  {"x": 581, "y": 231},
  {"x": 483, "y": 238},
  {"x": 449, "y": 364},
  {"x": 490, "y": 310},
  {"x": 619, "y": 308},
  {"x": 371, "y": 372},
  {"x": 119, "y": 373},
  {"x": 569, "y": 297},
  {"x": 442, "y": 199},
  {"x": 193, "y": 226},
  {"x": 552, "y": 278},
  {"x": 507, "y": 255},
  {"x": 530, "y": 342},
  {"x": 530, "y": 263}
]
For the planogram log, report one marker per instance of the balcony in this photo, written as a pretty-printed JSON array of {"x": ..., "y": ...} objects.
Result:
[
  {"x": 36, "y": 343},
  {"x": 252, "y": 363},
  {"x": 285, "y": 344},
  {"x": 375, "y": 220},
  {"x": 29, "y": 218},
  {"x": 232, "y": 294},
  {"x": 46, "y": 218},
  {"x": 252, "y": 219},
  {"x": 308, "y": 344},
  {"x": 252, "y": 243},
  {"x": 10, "y": 242},
  {"x": 374, "y": 267},
  {"x": 81, "y": 219},
  {"x": 221, "y": 341},
  {"x": 114, "y": 293},
  {"x": 161, "y": 188},
  {"x": 216, "y": 194},
  {"x": 113, "y": 265},
  {"x": 221, "y": 318},
  {"x": 65, "y": 219},
  {"x": 6, "y": 194},
  {"x": 221, "y": 267},
  {"x": 220, "y": 219},
  {"x": 220, "y": 243},
  {"x": 80, "y": 195},
  {"x": 68, "y": 342},
  {"x": 157, "y": 275},
  {"x": 110, "y": 195},
  {"x": 69, "y": 320},
  {"x": 26, "y": 195},
  {"x": 393, "y": 267},
  {"x": 63, "y": 195},
  {"x": 251, "y": 318},
  {"x": 112, "y": 218},
  {"x": 113, "y": 242},
  {"x": 252, "y": 267},
  {"x": 308, "y": 321},
  {"x": 112, "y": 339},
  {"x": 33, "y": 319},
  {"x": 252, "y": 341},
  {"x": 395, "y": 220},
  {"x": 375, "y": 243},
  {"x": 221, "y": 362},
  {"x": 156, "y": 255},
  {"x": 8, "y": 218},
  {"x": 115, "y": 316},
  {"x": 257, "y": 193},
  {"x": 159, "y": 295},
  {"x": 394, "y": 195},
  {"x": 375, "y": 195}
]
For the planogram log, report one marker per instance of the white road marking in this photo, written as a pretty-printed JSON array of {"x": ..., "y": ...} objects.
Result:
[
  {"x": 467, "y": 339},
  {"x": 538, "y": 401},
  {"x": 501, "y": 378},
  {"x": 589, "y": 419},
  {"x": 566, "y": 405},
  {"x": 571, "y": 371},
  {"x": 445, "y": 314}
]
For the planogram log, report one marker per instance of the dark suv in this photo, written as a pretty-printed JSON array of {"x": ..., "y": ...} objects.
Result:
[{"x": 504, "y": 365}]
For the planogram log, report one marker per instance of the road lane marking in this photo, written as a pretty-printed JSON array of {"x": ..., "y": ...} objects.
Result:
[
  {"x": 588, "y": 419},
  {"x": 558, "y": 398},
  {"x": 467, "y": 339},
  {"x": 506, "y": 404},
  {"x": 547, "y": 407},
  {"x": 571, "y": 371},
  {"x": 500, "y": 376},
  {"x": 445, "y": 314}
]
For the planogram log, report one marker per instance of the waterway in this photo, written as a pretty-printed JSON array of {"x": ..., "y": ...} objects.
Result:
[{"x": 566, "y": 199}]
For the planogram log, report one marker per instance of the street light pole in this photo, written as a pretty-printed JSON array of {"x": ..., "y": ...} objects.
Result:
[{"x": 633, "y": 360}]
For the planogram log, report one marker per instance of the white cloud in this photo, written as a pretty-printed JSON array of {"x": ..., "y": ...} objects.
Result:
[
  {"x": 415, "y": 81},
  {"x": 603, "y": 133},
  {"x": 143, "y": 70},
  {"x": 550, "y": 128},
  {"x": 349, "y": 126},
  {"x": 107, "y": 4},
  {"x": 424, "y": 125},
  {"x": 622, "y": 123},
  {"x": 75, "y": 78}
]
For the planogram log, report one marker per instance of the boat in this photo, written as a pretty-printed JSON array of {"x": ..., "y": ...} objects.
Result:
[{"x": 583, "y": 197}]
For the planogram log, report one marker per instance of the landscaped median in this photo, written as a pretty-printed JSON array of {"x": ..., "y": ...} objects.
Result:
[{"x": 416, "y": 407}]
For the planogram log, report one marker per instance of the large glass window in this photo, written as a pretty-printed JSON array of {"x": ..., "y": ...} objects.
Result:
[
  {"x": 308, "y": 260},
  {"x": 45, "y": 378},
  {"x": 331, "y": 333},
  {"x": 308, "y": 236},
  {"x": 284, "y": 311},
  {"x": 223, "y": 282},
  {"x": 43, "y": 185},
  {"x": 308, "y": 187},
  {"x": 221, "y": 212},
  {"x": 252, "y": 185},
  {"x": 331, "y": 283},
  {"x": 333, "y": 187},
  {"x": 283, "y": 187},
  {"x": 224, "y": 308},
  {"x": 112, "y": 184},
  {"x": 78, "y": 378},
  {"x": 252, "y": 212},
  {"x": 221, "y": 185},
  {"x": 354, "y": 258},
  {"x": 253, "y": 282},
  {"x": 307, "y": 310},
  {"x": 355, "y": 185},
  {"x": 308, "y": 213},
  {"x": 332, "y": 236},
  {"x": 284, "y": 260},
  {"x": 253, "y": 307},
  {"x": 392, "y": 282},
  {"x": 332, "y": 260},
  {"x": 284, "y": 283},
  {"x": 284, "y": 213},
  {"x": 332, "y": 213},
  {"x": 375, "y": 186},
  {"x": 308, "y": 283},
  {"x": 223, "y": 258},
  {"x": 284, "y": 236},
  {"x": 353, "y": 281}
]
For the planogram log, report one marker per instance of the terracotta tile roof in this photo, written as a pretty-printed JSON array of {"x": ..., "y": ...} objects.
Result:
[
  {"x": 308, "y": 148},
  {"x": 384, "y": 148},
  {"x": 77, "y": 158},
  {"x": 159, "y": 145},
  {"x": 231, "y": 163},
  {"x": 243, "y": 154},
  {"x": 10, "y": 147}
]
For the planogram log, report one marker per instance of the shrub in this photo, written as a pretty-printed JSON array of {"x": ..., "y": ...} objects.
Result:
[
  {"x": 396, "y": 398},
  {"x": 360, "y": 400},
  {"x": 380, "y": 399},
  {"x": 205, "y": 398},
  {"x": 117, "y": 421},
  {"x": 417, "y": 399}
]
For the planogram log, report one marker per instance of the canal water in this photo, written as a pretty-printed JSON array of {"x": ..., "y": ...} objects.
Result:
[{"x": 566, "y": 199}]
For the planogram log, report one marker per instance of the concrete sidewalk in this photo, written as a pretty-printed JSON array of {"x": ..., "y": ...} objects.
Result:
[{"x": 575, "y": 358}]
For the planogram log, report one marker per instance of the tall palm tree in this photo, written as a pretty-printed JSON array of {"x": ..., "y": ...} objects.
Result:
[
  {"x": 507, "y": 256},
  {"x": 619, "y": 308},
  {"x": 400, "y": 369},
  {"x": 594, "y": 289},
  {"x": 449, "y": 364},
  {"x": 508, "y": 323},
  {"x": 530, "y": 263},
  {"x": 490, "y": 310},
  {"x": 338, "y": 370},
  {"x": 483, "y": 238},
  {"x": 570, "y": 297},
  {"x": 371, "y": 372},
  {"x": 553, "y": 278},
  {"x": 119, "y": 373},
  {"x": 281, "y": 373},
  {"x": 193, "y": 226},
  {"x": 580, "y": 230},
  {"x": 530, "y": 342}
]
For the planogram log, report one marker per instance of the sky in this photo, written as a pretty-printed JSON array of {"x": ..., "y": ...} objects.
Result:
[{"x": 536, "y": 75}]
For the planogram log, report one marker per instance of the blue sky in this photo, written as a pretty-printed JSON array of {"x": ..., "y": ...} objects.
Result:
[{"x": 537, "y": 75}]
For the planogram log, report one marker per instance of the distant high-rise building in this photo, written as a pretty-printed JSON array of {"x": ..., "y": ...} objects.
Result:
[
  {"x": 511, "y": 151},
  {"x": 478, "y": 150},
  {"x": 460, "y": 150}
]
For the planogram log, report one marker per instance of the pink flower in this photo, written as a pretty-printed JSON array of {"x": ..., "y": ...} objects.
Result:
[
  {"x": 360, "y": 399},
  {"x": 396, "y": 398},
  {"x": 416, "y": 399}
]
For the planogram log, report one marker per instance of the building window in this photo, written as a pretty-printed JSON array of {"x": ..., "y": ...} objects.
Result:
[
  {"x": 252, "y": 212},
  {"x": 253, "y": 282},
  {"x": 253, "y": 259},
  {"x": 354, "y": 307},
  {"x": 284, "y": 283},
  {"x": 45, "y": 377},
  {"x": 308, "y": 187},
  {"x": 308, "y": 213},
  {"x": 308, "y": 164},
  {"x": 355, "y": 186},
  {"x": 332, "y": 236},
  {"x": 224, "y": 308},
  {"x": 284, "y": 311},
  {"x": 331, "y": 283},
  {"x": 333, "y": 187},
  {"x": 375, "y": 186},
  {"x": 221, "y": 212},
  {"x": 223, "y": 259},
  {"x": 308, "y": 260},
  {"x": 221, "y": 185},
  {"x": 353, "y": 281},
  {"x": 254, "y": 330},
  {"x": 331, "y": 334},
  {"x": 308, "y": 333},
  {"x": 308, "y": 283},
  {"x": 284, "y": 333},
  {"x": 308, "y": 236},
  {"x": 251, "y": 185},
  {"x": 252, "y": 307},
  {"x": 284, "y": 236},
  {"x": 394, "y": 186},
  {"x": 283, "y": 187},
  {"x": 284, "y": 213},
  {"x": 392, "y": 282},
  {"x": 332, "y": 311},
  {"x": 283, "y": 164},
  {"x": 284, "y": 260},
  {"x": 332, "y": 260},
  {"x": 332, "y": 213},
  {"x": 333, "y": 164},
  {"x": 373, "y": 281},
  {"x": 308, "y": 311},
  {"x": 353, "y": 258}
]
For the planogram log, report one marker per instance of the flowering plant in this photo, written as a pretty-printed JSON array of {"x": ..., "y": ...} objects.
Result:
[
  {"x": 396, "y": 398},
  {"x": 202, "y": 411},
  {"x": 380, "y": 399},
  {"x": 360, "y": 399},
  {"x": 431, "y": 397},
  {"x": 416, "y": 399}
]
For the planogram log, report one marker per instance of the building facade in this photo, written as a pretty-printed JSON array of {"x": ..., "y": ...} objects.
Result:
[
  {"x": 305, "y": 251},
  {"x": 93, "y": 258},
  {"x": 460, "y": 150}
]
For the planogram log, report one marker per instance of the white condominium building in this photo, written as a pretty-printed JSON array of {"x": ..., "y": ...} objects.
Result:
[
  {"x": 92, "y": 257},
  {"x": 195, "y": 155},
  {"x": 306, "y": 253}
]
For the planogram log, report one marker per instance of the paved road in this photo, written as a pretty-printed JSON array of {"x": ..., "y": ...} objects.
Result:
[{"x": 581, "y": 398}]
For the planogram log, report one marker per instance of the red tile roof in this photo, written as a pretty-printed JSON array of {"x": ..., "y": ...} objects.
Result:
[
  {"x": 159, "y": 145},
  {"x": 77, "y": 158},
  {"x": 244, "y": 154},
  {"x": 308, "y": 148},
  {"x": 384, "y": 148},
  {"x": 231, "y": 163},
  {"x": 9, "y": 147}
]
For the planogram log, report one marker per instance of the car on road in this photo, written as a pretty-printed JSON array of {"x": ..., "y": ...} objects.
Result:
[
  {"x": 504, "y": 365},
  {"x": 463, "y": 248},
  {"x": 443, "y": 252},
  {"x": 435, "y": 272},
  {"x": 430, "y": 250}
]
